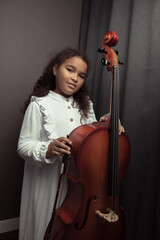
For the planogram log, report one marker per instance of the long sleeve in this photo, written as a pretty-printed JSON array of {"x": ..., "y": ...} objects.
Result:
[{"x": 92, "y": 117}]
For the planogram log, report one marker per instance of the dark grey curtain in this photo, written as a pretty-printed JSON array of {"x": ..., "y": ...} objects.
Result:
[{"x": 137, "y": 23}]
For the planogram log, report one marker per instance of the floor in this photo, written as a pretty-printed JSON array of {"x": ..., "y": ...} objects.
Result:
[{"x": 9, "y": 235}]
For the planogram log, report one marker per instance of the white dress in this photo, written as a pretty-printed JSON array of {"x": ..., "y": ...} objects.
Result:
[{"x": 46, "y": 119}]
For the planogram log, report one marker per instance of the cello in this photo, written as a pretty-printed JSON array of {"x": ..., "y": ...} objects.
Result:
[{"x": 95, "y": 169}]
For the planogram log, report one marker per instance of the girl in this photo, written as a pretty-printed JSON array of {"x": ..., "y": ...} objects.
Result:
[{"x": 58, "y": 104}]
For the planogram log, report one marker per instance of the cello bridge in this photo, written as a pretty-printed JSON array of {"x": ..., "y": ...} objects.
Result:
[{"x": 110, "y": 216}]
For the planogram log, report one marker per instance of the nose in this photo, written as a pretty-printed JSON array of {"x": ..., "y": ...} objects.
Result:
[{"x": 75, "y": 77}]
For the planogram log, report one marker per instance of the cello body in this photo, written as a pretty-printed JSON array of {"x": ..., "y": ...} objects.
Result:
[{"x": 88, "y": 192}]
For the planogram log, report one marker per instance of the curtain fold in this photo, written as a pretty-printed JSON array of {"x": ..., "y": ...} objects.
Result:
[{"x": 137, "y": 24}]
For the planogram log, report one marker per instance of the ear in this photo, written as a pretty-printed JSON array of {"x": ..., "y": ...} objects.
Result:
[{"x": 55, "y": 68}]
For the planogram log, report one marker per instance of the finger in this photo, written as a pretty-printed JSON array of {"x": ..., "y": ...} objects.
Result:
[
  {"x": 65, "y": 140},
  {"x": 102, "y": 119},
  {"x": 63, "y": 145},
  {"x": 121, "y": 130},
  {"x": 57, "y": 153},
  {"x": 62, "y": 148},
  {"x": 61, "y": 152}
]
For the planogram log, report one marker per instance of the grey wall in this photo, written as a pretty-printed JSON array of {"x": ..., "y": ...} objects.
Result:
[{"x": 30, "y": 31}]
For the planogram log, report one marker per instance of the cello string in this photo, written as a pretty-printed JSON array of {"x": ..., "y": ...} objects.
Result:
[
  {"x": 114, "y": 140},
  {"x": 116, "y": 143},
  {"x": 117, "y": 138}
]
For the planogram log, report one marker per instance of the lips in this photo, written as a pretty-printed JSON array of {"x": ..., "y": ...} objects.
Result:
[{"x": 72, "y": 85}]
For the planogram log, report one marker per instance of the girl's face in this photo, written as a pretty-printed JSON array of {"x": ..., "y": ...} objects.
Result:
[{"x": 70, "y": 76}]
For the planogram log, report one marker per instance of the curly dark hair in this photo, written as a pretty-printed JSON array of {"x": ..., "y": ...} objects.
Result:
[{"x": 47, "y": 81}]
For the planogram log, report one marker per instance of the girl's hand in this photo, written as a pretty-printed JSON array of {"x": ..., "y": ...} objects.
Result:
[
  {"x": 121, "y": 128},
  {"x": 107, "y": 118},
  {"x": 59, "y": 147}
]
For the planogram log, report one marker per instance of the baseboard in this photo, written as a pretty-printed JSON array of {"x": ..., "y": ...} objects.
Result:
[{"x": 9, "y": 225}]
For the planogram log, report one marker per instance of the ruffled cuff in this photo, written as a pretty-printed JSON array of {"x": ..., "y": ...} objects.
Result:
[
  {"x": 42, "y": 154},
  {"x": 39, "y": 154}
]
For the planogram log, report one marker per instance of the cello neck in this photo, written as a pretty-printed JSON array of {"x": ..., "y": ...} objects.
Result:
[{"x": 114, "y": 142}]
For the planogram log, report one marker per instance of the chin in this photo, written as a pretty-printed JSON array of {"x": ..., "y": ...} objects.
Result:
[{"x": 69, "y": 93}]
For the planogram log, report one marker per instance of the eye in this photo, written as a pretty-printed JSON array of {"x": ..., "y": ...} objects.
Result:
[
  {"x": 82, "y": 76},
  {"x": 69, "y": 69}
]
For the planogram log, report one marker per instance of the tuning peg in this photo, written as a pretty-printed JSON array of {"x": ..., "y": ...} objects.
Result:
[
  {"x": 121, "y": 63},
  {"x": 102, "y": 50},
  {"x": 104, "y": 61}
]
